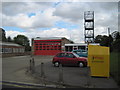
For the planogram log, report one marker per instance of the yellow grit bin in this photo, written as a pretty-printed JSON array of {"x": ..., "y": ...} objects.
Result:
[{"x": 98, "y": 60}]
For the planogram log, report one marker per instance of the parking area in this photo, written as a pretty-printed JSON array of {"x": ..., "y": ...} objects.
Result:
[{"x": 74, "y": 76}]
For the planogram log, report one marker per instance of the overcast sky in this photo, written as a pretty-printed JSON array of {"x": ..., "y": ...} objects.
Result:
[{"x": 57, "y": 19}]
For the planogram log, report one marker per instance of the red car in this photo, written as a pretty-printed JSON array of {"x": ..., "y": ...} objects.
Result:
[{"x": 69, "y": 58}]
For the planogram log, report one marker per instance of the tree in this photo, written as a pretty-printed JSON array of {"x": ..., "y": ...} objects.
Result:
[
  {"x": 112, "y": 41},
  {"x": 9, "y": 39},
  {"x": 116, "y": 42},
  {"x": 117, "y": 35},
  {"x": 116, "y": 45},
  {"x": 22, "y": 40},
  {"x": 98, "y": 39},
  {"x": 104, "y": 40}
]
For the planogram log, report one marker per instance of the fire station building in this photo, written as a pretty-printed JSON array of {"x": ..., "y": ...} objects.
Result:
[{"x": 49, "y": 45}]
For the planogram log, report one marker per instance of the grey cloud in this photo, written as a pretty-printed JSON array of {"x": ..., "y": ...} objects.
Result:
[
  {"x": 74, "y": 13},
  {"x": 71, "y": 12},
  {"x": 14, "y": 8},
  {"x": 76, "y": 10}
]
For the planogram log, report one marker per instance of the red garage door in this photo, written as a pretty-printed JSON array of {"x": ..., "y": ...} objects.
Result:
[{"x": 47, "y": 47}]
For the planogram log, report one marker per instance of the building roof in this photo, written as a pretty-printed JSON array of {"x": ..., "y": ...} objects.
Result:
[
  {"x": 81, "y": 44},
  {"x": 8, "y": 44},
  {"x": 51, "y": 38},
  {"x": 47, "y": 38},
  {"x": 76, "y": 44}
]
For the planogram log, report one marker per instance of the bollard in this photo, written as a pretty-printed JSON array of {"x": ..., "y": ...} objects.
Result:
[
  {"x": 30, "y": 65},
  {"x": 33, "y": 65},
  {"x": 60, "y": 74},
  {"x": 42, "y": 70},
  {"x": 33, "y": 61}
]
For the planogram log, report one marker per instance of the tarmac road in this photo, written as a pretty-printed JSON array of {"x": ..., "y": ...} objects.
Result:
[
  {"x": 73, "y": 76},
  {"x": 14, "y": 69},
  {"x": 12, "y": 66}
]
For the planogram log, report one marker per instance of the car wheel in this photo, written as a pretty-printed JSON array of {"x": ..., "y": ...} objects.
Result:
[
  {"x": 56, "y": 64},
  {"x": 81, "y": 64}
]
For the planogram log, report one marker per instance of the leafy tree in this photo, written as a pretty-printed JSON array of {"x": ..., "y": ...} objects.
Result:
[
  {"x": 104, "y": 40},
  {"x": 98, "y": 39},
  {"x": 112, "y": 41},
  {"x": 116, "y": 42},
  {"x": 117, "y": 35},
  {"x": 116, "y": 45},
  {"x": 114, "y": 34},
  {"x": 22, "y": 40},
  {"x": 9, "y": 39}
]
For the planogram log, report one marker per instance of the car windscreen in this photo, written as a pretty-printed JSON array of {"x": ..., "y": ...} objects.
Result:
[
  {"x": 75, "y": 54},
  {"x": 61, "y": 55}
]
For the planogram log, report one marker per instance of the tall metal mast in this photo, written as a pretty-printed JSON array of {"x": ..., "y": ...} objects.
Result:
[{"x": 89, "y": 26}]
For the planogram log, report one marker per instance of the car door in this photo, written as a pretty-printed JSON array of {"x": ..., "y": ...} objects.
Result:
[
  {"x": 70, "y": 59},
  {"x": 61, "y": 57}
]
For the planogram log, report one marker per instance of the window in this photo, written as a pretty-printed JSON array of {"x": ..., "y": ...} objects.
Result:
[
  {"x": 44, "y": 47},
  {"x": 47, "y": 47},
  {"x": 6, "y": 50},
  {"x": 40, "y": 48},
  {"x": 36, "y": 47},
  {"x": 76, "y": 55},
  {"x": 55, "y": 47},
  {"x": 59, "y": 47},
  {"x": 61, "y": 55},
  {"x": 23, "y": 50},
  {"x": 10, "y": 50},
  {"x": 13, "y": 50},
  {"x": 69, "y": 55},
  {"x": 3, "y": 50}
]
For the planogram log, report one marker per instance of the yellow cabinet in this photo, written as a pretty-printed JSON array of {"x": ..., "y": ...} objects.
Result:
[{"x": 98, "y": 60}]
